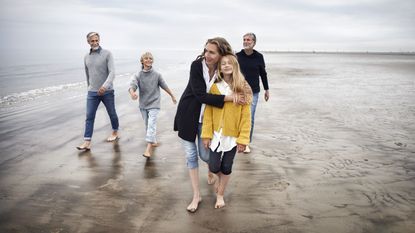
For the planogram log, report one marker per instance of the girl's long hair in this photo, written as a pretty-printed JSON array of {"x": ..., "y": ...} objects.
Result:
[{"x": 238, "y": 82}]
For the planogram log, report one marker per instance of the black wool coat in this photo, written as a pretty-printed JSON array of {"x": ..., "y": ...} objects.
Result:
[{"x": 188, "y": 111}]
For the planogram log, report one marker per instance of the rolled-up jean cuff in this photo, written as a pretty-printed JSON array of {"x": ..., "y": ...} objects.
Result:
[{"x": 190, "y": 150}]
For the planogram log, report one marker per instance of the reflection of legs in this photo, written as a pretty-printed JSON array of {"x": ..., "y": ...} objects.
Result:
[
  {"x": 109, "y": 102},
  {"x": 224, "y": 176},
  {"x": 204, "y": 154},
  {"x": 192, "y": 163}
]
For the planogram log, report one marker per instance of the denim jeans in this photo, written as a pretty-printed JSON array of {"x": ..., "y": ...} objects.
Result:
[
  {"x": 222, "y": 163},
  {"x": 150, "y": 121},
  {"x": 253, "y": 109},
  {"x": 92, "y": 103},
  {"x": 192, "y": 150}
]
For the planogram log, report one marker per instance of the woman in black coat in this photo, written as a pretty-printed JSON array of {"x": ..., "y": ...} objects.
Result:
[{"x": 189, "y": 115}]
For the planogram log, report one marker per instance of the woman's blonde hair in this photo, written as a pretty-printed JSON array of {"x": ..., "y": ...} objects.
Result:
[{"x": 238, "y": 83}]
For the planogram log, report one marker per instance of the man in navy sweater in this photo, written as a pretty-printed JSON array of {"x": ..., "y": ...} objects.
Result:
[{"x": 253, "y": 66}]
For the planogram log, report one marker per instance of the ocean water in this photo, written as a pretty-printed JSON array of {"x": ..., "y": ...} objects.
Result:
[{"x": 28, "y": 75}]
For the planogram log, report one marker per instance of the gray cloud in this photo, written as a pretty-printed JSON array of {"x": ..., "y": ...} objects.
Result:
[{"x": 340, "y": 25}]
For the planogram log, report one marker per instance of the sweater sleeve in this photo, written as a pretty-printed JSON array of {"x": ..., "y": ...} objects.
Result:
[
  {"x": 111, "y": 71},
  {"x": 134, "y": 82},
  {"x": 86, "y": 72},
  {"x": 207, "y": 126},
  {"x": 198, "y": 86},
  {"x": 263, "y": 73},
  {"x": 244, "y": 125},
  {"x": 162, "y": 83}
]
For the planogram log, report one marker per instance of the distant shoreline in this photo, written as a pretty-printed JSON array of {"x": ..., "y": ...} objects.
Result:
[{"x": 339, "y": 52}]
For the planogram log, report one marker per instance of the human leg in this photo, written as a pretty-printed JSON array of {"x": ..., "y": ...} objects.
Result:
[
  {"x": 220, "y": 201},
  {"x": 214, "y": 167},
  {"x": 194, "y": 178},
  {"x": 190, "y": 149},
  {"x": 224, "y": 176},
  {"x": 150, "y": 120},
  {"x": 92, "y": 104},
  {"x": 151, "y": 132},
  {"x": 254, "y": 103},
  {"x": 144, "y": 115},
  {"x": 109, "y": 101},
  {"x": 253, "y": 110},
  {"x": 204, "y": 154}
]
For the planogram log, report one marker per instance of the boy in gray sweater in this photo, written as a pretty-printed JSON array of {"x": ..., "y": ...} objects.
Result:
[{"x": 148, "y": 82}]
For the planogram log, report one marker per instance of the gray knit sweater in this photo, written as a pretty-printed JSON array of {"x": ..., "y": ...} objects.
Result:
[
  {"x": 99, "y": 69},
  {"x": 148, "y": 83}
]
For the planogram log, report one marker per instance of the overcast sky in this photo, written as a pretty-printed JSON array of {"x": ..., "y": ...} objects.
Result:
[{"x": 321, "y": 25}]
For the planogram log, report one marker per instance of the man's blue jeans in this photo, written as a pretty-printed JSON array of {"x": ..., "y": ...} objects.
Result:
[
  {"x": 253, "y": 109},
  {"x": 92, "y": 103}
]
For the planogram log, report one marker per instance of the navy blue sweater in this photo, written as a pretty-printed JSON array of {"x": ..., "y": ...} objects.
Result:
[{"x": 253, "y": 67}]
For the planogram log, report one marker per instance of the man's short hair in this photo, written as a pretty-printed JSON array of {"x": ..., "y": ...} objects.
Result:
[
  {"x": 251, "y": 34},
  {"x": 89, "y": 35}
]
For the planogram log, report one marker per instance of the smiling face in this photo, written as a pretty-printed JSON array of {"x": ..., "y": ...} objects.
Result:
[
  {"x": 146, "y": 60},
  {"x": 226, "y": 66},
  {"x": 93, "y": 41},
  {"x": 212, "y": 55},
  {"x": 249, "y": 42}
]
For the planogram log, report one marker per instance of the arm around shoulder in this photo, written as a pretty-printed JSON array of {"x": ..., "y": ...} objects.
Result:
[{"x": 198, "y": 86}]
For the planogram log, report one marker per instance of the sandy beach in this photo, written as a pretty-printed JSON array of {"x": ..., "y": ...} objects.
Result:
[{"x": 329, "y": 155}]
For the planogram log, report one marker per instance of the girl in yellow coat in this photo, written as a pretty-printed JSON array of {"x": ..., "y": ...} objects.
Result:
[{"x": 226, "y": 130}]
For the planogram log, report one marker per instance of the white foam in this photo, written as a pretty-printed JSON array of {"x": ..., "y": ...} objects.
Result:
[
  {"x": 36, "y": 93},
  {"x": 45, "y": 91}
]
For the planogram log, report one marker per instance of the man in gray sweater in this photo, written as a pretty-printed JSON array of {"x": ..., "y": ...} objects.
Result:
[{"x": 100, "y": 73}]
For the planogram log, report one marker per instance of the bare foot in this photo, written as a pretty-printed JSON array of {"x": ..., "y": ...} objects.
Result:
[
  {"x": 147, "y": 153},
  {"x": 192, "y": 207},
  {"x": 219, "y": 202},
  {"x": 247, "y": 150},
  {"x": 85, "y": 146},
  {"x": 113, "y": 137}
]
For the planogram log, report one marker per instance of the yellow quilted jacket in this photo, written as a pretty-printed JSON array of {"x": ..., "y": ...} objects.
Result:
[{"x": 236, "y": 120}]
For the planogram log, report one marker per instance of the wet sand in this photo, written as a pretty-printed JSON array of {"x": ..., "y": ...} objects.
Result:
[{"x": 329, "y": 155}]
